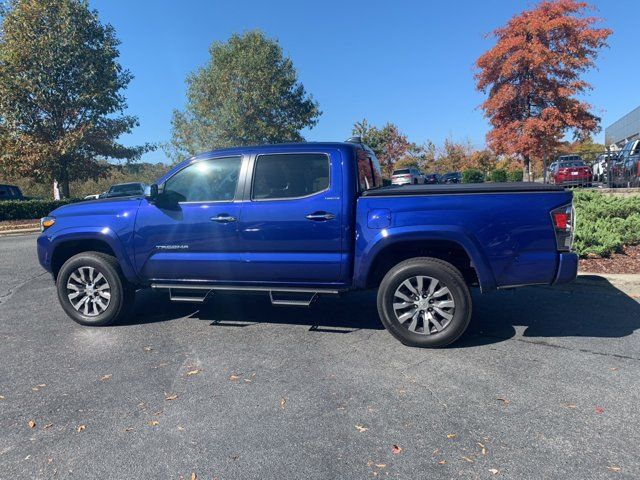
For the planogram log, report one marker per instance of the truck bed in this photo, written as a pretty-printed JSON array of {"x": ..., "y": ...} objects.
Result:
[{"x": 459, "y": 188}]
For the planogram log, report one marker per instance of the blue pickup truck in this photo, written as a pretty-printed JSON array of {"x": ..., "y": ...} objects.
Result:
[{"x": 296, "y": 221}]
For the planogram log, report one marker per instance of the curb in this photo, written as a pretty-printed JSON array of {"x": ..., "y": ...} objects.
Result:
[{"x": 19, "y": 231}]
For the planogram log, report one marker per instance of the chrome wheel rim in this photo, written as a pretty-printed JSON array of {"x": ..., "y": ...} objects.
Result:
[
  {"x": 88, "y": 291},
  {"x": 423, "y": 305}
]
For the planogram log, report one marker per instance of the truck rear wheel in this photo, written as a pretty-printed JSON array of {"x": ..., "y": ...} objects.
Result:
[
  {"x": 92, "y": 289},
  {"x": 424, "y": 302}
]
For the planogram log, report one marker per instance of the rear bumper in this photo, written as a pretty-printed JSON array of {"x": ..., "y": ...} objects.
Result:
[{"x": 567, "y": 268}]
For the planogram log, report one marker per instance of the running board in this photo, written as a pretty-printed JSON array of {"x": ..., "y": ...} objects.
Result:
[{"x": 294, "y": 296}]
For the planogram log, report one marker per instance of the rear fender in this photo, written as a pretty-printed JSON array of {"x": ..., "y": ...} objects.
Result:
[{"x": 453, "y": 233}]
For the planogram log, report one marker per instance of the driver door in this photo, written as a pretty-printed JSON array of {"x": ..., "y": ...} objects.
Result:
[{"x": 191, "y": 231}]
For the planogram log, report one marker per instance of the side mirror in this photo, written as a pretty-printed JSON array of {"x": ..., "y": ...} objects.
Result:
[{"x": 151, "y": 192}]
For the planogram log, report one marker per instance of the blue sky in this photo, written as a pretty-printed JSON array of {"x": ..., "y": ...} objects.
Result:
[{"x": 408, "y": 62}]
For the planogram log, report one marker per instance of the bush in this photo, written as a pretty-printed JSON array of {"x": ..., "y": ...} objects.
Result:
[
  {"x": 499, "y": 175},
  {"x": 29, "y": 209},
  {"x": 604, "y": 224},
  {"x": 472, "y": 175},
  {"x": 515, "y": 176}
]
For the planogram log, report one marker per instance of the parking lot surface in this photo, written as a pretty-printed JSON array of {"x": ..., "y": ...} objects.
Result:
[{"x": 543, "y": 385}]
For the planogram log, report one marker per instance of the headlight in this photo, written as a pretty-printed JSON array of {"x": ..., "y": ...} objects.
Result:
[{"x": 46, "y": 222}]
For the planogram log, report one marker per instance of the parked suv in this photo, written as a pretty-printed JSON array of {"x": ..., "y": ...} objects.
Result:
[
  {"x": 625, "y": 170},
  {"x": 125, "y": 190},
  {"x": 407, "y": 176},
  {"x": 10, "y": 192}
]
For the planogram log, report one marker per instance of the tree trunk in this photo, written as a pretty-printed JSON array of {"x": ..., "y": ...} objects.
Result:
[
  {"x": 526, "y": 174},
  {"x": 64, "y": 182}
]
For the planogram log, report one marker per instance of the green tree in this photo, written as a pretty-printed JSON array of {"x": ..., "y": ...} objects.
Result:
[
  {"x": 248, "y": 93},
  {"x": 61, "y": 106}
]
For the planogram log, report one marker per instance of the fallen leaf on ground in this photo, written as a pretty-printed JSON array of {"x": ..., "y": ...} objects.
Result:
[
  {"x": 615, "y": 469},
  {"x": 361, "y": 428},
  {"x": 128, "y": 429},
  {"x": 396, "y": 449},
  {"x": 31, "y": 424},
  {"x": 483, "y": 448},
  {"x": 435, "y": 452},
  {"x": 506, "y": 401},
  {"x": 442, "y": 462},
  {"x": 613, "y": 369},
  {"x": 451, "y": 435},
  {"x": 106, "y": 377},
  {"x": 38, "y": 387},
  {"x": 571, "y": 405},
  {"x": 181, "y": 428},
  {"x": 599, "y": 410},
  {"x": 193, "y": 372},
  {"x": 81, "y": 428},
  {"x": 153, "y": 423},
  {"x": 171, "y": 397},
  {"x": 234, "y": 377},
  {"x": 467, "y": 459},
  {"x": 283, "y": 402},
  {"x": 235, "y": 456},
  {"x": 381, "y": 465},
  {"x": 147, "y": 349},
  {"x": 1, "y": 397},
  {"x": 494, "y": 471},
  {"x": 194, "y": 476},
  {"x": 48, "y": 425}
]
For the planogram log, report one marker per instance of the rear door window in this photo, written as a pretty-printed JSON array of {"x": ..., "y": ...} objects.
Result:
[{"x": 290, "y": 175}]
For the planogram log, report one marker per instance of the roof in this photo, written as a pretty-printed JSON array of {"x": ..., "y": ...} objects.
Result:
[{"x": 274, "y": 147}]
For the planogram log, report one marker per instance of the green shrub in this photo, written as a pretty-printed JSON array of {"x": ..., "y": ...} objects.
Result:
[
  {"x": 604, "y": 224},
  {"x": 472, "y": 175},
  {"x": 499, "y": 175},
  {"x": 515, "y": 176},
  {"x": 29, "y": 209}
]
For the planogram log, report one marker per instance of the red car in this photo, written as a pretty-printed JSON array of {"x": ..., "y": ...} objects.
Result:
[{"x": 574, "y": 172}]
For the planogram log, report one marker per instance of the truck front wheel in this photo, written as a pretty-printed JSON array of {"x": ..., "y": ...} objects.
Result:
[
  {"x": 424, "y": 302},
  {"x": 92, "y": 289}
]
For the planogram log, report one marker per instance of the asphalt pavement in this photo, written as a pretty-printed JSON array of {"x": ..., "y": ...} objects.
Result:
[{"x": 543, "y": 385}]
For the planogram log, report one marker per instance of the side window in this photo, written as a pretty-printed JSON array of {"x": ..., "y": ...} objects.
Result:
[
  {"x": 206, "y": 180},
  {"x": 285, "y": 175},
  {"x": 4, "y": 192}
]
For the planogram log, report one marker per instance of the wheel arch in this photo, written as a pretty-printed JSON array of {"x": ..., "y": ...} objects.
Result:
[
  {"x": 450, "y": 244},
  {"x": 70, "y": 243}
]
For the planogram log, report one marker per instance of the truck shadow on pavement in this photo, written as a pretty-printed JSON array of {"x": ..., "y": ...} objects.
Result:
[{"x": 589, "y": 307}]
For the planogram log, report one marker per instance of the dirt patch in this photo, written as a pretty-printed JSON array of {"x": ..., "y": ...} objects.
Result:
[
  {"x": 18, "y": 224},
  {"x": 626, "y": 262}
]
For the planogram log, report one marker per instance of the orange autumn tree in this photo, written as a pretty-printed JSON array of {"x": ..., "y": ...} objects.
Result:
[{"x": 533, "y": 78}]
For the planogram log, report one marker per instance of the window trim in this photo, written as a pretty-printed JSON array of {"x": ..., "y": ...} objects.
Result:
[
  {"x": 239, "y": 186},
  {"x": 280, "y": 199}
]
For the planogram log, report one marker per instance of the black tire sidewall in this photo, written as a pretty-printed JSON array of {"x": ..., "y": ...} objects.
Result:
[
  {"x": 447, "y": 275},
  {"x": 110, "y": 272}
]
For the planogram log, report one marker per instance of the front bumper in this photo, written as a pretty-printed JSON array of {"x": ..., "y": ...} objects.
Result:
[
  {"x": 567, "y": 268},
  {"x": 44, "y": 252}
]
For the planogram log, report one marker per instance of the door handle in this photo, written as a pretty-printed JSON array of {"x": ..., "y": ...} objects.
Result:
[
  {"x": 223, "y": 218},
  {"x": 320, "y": 216}
]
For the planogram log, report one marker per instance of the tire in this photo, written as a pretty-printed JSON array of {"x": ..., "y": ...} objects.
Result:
[
  {"x": 425, "y": 334},
  {"x": 94, "y": 269}
]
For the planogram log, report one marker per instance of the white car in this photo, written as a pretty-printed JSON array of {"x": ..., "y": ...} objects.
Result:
[{"x": 407, "y": 176}]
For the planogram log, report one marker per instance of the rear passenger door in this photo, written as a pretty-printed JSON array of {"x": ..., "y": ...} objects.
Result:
[{"x": 291, "y": 223}]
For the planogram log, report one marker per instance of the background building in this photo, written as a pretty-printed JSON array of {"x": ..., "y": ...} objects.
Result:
[{"x": 623, "y": 130}]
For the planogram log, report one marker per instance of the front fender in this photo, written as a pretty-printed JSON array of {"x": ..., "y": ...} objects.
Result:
[
  {"x": 390, "y": 236},
  {"x": 70, "y": 234}
]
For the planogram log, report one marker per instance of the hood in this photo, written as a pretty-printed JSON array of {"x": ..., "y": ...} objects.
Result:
[{"x": 102, "y": 206}]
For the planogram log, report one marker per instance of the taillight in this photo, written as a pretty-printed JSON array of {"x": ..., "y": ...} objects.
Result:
[{"x": 563, "y": 220}]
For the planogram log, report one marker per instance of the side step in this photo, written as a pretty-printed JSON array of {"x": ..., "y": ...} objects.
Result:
[{"x": 198, "y": 293}]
